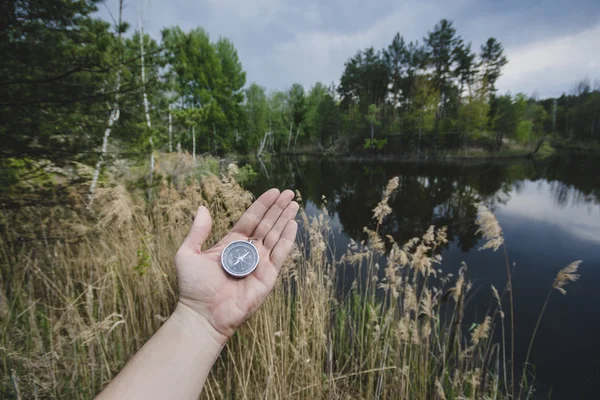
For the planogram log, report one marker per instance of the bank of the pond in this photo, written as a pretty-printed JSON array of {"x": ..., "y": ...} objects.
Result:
[{"x": 472, "y": 153}]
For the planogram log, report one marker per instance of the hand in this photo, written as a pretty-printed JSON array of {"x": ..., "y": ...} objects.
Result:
[{"x": 223, "y": 302}]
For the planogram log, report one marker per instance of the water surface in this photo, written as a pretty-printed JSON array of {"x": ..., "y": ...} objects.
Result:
[{"x": 549, "y": 211}]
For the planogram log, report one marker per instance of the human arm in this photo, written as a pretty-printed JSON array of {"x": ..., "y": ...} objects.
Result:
[{"x": 176, "y": 361}]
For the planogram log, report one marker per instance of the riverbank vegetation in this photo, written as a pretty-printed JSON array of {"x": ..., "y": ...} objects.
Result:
[
  {"x": 92, "y": 210},
  {"x": 383, "y": 321},
  {"x": 79, "y": 88}
]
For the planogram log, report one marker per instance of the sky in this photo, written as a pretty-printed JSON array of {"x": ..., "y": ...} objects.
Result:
[{"x": 550, "y": 44}]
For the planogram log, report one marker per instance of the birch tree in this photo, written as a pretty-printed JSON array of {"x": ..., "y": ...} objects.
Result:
[
  {"x": 114, "y": 114},
  {"x": 141, "y": 10}
]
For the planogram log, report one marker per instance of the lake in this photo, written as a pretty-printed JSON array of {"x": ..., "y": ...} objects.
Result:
[{"x": 549, "y": 211}]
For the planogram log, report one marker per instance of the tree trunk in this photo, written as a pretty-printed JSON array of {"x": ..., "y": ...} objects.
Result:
[
  {"x": 297, "y": 132},
  {"x": 538, "y": 145},
  {"x": 214, "y": 138},
  {"x": 112, "y": 118},
  {"x": 290, "y": 136},
  {"x": 261, "y": 147},
  {"x": 146, "y": 105},
  {"x": 420, "y": 130},
  {"x": 194, "y": 142},
  {"x": 170, "y": 131}
]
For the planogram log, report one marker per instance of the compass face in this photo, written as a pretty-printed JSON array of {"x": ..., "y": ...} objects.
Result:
[{"x": 239, "y": 258}]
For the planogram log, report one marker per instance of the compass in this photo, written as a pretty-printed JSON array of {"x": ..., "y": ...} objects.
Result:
[{"x": 240, "y": 258}]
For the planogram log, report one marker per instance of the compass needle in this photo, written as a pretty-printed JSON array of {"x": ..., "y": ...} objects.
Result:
[{"x": 240, "y": 258}]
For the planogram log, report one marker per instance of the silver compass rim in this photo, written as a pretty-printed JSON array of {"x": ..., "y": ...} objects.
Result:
[{"x": 243, "y": 274}]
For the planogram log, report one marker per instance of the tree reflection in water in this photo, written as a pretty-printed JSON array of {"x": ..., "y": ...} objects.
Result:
[{"x": 440, "y": 194}]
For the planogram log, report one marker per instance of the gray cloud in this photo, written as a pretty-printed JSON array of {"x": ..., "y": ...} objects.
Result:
[{"x": 550, "y": 44}]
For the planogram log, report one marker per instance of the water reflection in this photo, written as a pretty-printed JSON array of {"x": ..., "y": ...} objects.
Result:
[
  {"x": 549, "y": 210},
  {"x": 577, "y": 214},
  {"x": 439, "y": 194}
]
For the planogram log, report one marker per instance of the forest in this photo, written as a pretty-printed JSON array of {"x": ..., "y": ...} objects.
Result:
[
  {"x": 78, "y": 88},
  {"x": 112, "y": 138}
]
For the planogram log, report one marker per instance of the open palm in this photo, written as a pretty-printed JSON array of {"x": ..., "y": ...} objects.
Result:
[{"x": 226, "y": 302}]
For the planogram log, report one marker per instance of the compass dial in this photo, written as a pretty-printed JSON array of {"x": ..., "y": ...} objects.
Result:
[{"x": 239, "y": 258}]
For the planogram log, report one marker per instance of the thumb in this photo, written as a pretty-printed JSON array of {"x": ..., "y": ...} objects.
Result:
[{"x": 200, "y": 229}]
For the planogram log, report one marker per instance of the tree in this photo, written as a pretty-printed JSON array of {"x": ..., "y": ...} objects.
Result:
[
  {"x": 58, "y": 74},
  {"x": 466, "y": 68},
  {"x": 473, "y": 115},
  {"x": 114, "y": 112},
  {"x": 415, "y": 60},
  {"x": 425, "y": 101},
  {"x": 280, "y": 117},
  {"x": 206, "y": 74},
  {"x": 364, "y": 80},
  {"x": 396, "y": 61},
  {"x": 297, "y": 101},
  {"x": 507, "y": 119},
  {"x": 257, "y": 110},
  {"x": 313, "y": 100},
  {"x": 373, "y": 120},
  {"x": 133, "y": 129},
  {"x": 230, "y": 90},
  {"x": 441, "y": 46},
  {"x": 492, "y": 61},
  {"x": 326, "y": 120}
]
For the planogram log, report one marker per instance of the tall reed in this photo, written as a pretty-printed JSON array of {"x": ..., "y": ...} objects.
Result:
[{"x": 80, "y": 298}]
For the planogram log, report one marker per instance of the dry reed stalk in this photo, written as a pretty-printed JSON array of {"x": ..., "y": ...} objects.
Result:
[
  {"x": 492, "y": 232},
  {"x": 79, "y": 311},
  {"x": 564, "y": 276}
]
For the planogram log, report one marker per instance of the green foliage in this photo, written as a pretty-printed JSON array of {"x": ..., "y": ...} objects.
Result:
[
  {"x": 473, "y": 115},
  {"x": 57, "y": 69},
  {"x": 441, "y": 44},
  {"x": 425, "y": 104},
  {"x": 207, "y": 76},
  {"x": 365, "y": 79},
  {"x": 545, "y": 150},
  {"x": 377, "y": 144},
  {"x": 321, "y": 115},
  {"x": 372, "y": 117},
  {"x": 492, "y": 60},
  {"x": 64, "y": 71},
  {"x": 143, "y": 261},
  {"x": 523, "y": 132},
  {"x": 257, "y": 111},
  {"x": 245, "y": 175}
]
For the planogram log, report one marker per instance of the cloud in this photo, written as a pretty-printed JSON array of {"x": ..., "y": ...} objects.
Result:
[
  {"x": 319, "y": 55},
  {"x": 285, "y": 41},
  {"x": 551, "y": 66}
]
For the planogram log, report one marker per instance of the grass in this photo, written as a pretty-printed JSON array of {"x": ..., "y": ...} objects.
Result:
[{"x": 92, "y": 286}]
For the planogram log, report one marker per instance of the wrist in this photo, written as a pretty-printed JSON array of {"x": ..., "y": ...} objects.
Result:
[{"x": 197, "y": 325}]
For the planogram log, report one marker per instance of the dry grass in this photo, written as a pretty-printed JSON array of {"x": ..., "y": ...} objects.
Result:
[{"x": 78, "y": 301}]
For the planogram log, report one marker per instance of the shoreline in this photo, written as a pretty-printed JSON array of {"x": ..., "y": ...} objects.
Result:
[{"x": 412, "y": 158}]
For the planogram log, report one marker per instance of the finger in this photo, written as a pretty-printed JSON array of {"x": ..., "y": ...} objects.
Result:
[
  {"x": 271, "y": 216},
  {"x": 275, "y": 233},
  {"x": 253, "y": 215},
  {"x": 200, "y": 229},
  {"x": 284, "y": 245}
]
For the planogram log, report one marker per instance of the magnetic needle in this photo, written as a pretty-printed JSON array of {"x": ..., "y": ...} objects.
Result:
[{"x": 240, "y": 258}]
